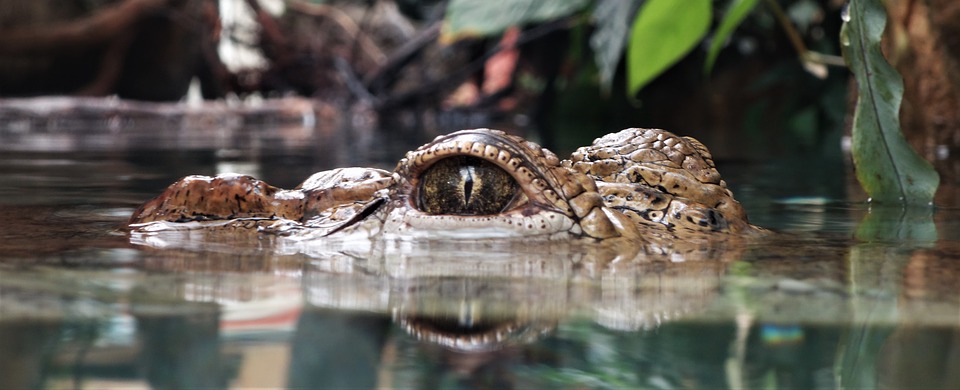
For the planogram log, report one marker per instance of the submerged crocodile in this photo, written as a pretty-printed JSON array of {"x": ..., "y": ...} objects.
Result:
[{"x": 636, "y": 184}]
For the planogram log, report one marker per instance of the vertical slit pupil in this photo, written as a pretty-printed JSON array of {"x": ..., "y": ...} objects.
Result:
[
  {"x": 466, "y": 174},
  {"x": 465, "y": 185}
]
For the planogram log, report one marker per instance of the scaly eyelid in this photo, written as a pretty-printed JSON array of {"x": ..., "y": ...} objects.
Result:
[{"x": 529, "y": 165}]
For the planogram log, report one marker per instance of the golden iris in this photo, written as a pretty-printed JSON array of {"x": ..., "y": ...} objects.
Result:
[{"x": 465, "y": 185}]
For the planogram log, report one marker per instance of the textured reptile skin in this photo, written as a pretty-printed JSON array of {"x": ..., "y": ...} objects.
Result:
[{"x": 645, "y": 184}]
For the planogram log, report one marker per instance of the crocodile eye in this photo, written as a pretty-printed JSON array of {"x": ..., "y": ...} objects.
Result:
[{"x": 464, "y": 185}]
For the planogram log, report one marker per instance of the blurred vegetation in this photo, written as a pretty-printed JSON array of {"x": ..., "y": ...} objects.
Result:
[
  {"x": 570, "y": 69},
  {"x": 657, "y": 34},
  {"x": 767, "y": 89},
  {"x": 752, "y": 79}
]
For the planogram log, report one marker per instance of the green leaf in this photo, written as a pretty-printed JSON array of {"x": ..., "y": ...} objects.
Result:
[
  {"x": 739, "y": 9},
  {"x": 612, "y": 19},
  {"x": 664, "y": 31},
  {"x": 887, "y": 168},
  {"x": 471, "y": 18}
]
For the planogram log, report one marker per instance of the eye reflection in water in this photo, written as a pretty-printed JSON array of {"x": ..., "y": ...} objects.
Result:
[
  {"x": 478, "y": 331},
  {"x": 342, "y": 349}
]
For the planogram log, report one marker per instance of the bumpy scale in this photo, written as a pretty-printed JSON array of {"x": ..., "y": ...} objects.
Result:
[{"x": 481, "y": 183}]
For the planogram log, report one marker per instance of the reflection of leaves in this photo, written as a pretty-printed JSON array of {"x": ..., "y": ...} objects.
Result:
[
  {"x": 664, "y": 31},
  {"x": 601, "y": 362},
  {"x": 465, "y": 18},
  {"x": 871, "y": 270},
  {"x": 887, "y": 168},
  {"x": 891, "y": 223},
  {"x": 612, "y": 18},
  {"x": 735, "y": 14}
]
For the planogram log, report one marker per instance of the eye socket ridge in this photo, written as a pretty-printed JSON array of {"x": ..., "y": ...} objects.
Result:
[{"x": 466, "y": 185}]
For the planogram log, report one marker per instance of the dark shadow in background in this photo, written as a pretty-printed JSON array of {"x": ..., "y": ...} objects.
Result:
[
  {"x": 337, "y": 349},
  {"x": 183, "y": 351}
]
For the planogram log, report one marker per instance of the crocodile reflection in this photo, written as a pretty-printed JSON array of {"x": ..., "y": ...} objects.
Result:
[
  {"x": 473, "y": 313},
  {"x": 466, "y": 295},
  {"x": 475, "y": 298}
]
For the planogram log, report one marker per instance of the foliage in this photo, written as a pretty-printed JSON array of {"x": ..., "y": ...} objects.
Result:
[
  {"x": 660, "y": 34},
  {"x": 659, "y": 37},
  {"x": 807, "y": 120},
  {"x": 738, "y": 10},
  {"x": 612, "y": 19},
  {"x": 887, "y": 168},
  {"x": 472, "y": 18}
]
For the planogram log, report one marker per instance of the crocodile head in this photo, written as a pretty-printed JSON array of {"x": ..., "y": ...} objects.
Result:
[{"x": 634, "y": 184}]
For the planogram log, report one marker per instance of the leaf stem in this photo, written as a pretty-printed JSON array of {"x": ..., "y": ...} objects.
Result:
[
  {"x": 797, "y": 42},
  {"x": 825, "y": 59},
  {"x": 788, "y": 28}
]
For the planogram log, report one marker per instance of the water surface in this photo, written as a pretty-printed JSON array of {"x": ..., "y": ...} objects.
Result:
[{"x": 843, "y": 295}]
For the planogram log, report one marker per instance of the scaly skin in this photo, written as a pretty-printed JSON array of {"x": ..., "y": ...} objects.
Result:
[{"x": 637, "y": 184}]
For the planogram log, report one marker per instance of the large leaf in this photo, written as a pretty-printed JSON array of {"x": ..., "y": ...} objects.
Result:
[
  {"x": 664, "y": 31},
  {"x": 887, "y": 168},
  {"x": 471, "y": 18},
  {"x": 739, "y": 9},
  {"x": 612, "y": 19}
]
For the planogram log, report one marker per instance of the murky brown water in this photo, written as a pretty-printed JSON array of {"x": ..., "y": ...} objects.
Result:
[{"x": 843, "y": 296}]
